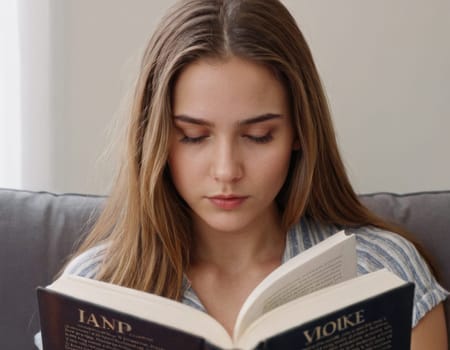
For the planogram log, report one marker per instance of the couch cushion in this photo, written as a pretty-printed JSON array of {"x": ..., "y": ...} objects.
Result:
[
  {"x": 426, "y": 215},
  {"x": 38, "y": 231}
]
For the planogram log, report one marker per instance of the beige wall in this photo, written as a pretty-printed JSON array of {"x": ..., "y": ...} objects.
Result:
[{"x": 385, "y": 65}]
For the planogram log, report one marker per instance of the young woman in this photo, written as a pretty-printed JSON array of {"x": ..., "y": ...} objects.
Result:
[{"x": 232, "y": 167}]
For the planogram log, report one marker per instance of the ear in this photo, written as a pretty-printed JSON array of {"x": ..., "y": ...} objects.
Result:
[{"x": 296, "y": 144}]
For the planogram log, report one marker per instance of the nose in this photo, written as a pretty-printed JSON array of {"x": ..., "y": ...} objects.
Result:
[{"x": 226, "y": 165}]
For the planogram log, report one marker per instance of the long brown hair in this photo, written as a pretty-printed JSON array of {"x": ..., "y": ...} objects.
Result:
[{"x": 147, "y": 225}]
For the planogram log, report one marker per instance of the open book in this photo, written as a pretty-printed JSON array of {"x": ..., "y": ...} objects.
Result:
[{"x": 311, "y": 302}]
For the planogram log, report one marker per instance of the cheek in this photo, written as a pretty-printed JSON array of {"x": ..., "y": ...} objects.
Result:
[
  {"x": 278, "y": 170},
  {"x": 271, "y": 168}
]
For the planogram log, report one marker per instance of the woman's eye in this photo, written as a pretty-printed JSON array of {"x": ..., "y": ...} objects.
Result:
[
  {"x": 261, "y": 139},
  {"x": 188, "y": 139}
]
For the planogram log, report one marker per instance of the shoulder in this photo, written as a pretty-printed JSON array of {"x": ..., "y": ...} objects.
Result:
[
  {"x": 305, "y": 234},
  {"x": 378, "y": 249},
  {"x": 87, "y": 264}
]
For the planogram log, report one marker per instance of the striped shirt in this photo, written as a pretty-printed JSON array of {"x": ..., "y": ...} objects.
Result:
[{"x": 375, "y": 249}]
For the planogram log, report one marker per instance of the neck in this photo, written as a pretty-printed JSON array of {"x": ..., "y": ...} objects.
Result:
[{"x": 237, "y": 251}]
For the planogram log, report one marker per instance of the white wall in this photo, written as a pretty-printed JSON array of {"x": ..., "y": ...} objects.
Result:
[
  {"x": 385, "y": 65},
  {"x": 386, "y": 68},
  {"x": 98, "y": 50},
  {"x": 37, "y": 132}
]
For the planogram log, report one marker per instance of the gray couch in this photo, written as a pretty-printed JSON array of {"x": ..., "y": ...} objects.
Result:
[{"x": 38, "y": 230}]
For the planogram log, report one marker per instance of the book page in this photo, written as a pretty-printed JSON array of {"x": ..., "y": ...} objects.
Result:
[
  {"x": 328, "y": 262},
  {"x": 145, "y": 306},
  {"x": 327, "y": 274}
]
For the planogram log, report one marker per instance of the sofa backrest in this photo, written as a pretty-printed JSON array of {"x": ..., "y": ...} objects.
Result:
[
  {"x": 426, "y": 215},
  {"x": 38, "y": 230}
]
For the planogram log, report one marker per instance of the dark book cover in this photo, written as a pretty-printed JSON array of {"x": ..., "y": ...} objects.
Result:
[
  {"x": 379, "y": 323},
  {"x": 71, "y": 324},
  {"x": 382, "y": 322}
]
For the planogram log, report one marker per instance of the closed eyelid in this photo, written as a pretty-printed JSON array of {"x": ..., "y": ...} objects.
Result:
[
  {"x": 259, "y": 129},
  {"x": 191, "y": 130}
]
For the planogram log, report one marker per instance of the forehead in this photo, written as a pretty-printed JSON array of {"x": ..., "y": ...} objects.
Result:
[{"x": 235, "y": 88}]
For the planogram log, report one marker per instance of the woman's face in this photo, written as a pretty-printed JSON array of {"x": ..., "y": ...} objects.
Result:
[{"x": 232, "y": 142}]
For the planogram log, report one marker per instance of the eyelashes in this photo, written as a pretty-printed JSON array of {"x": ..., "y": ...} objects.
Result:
[
  {"x": 260, "y": 139},
  {"x": 192, "y": 140},
  {"x": 256, "y": 139}
]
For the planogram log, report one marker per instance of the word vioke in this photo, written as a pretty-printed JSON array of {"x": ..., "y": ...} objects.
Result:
[{"x": 340, "y": 324}]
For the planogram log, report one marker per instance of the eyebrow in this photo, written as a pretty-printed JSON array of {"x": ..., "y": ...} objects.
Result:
[{"x": 252, "y": 120}]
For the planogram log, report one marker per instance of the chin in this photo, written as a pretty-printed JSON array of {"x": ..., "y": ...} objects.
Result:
[
  {"x": 227, "y": 228},
  {"x": 228, "y": 224}
]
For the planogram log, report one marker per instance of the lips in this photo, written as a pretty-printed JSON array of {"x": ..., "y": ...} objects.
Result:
[{"x": 227, "y": 202}]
